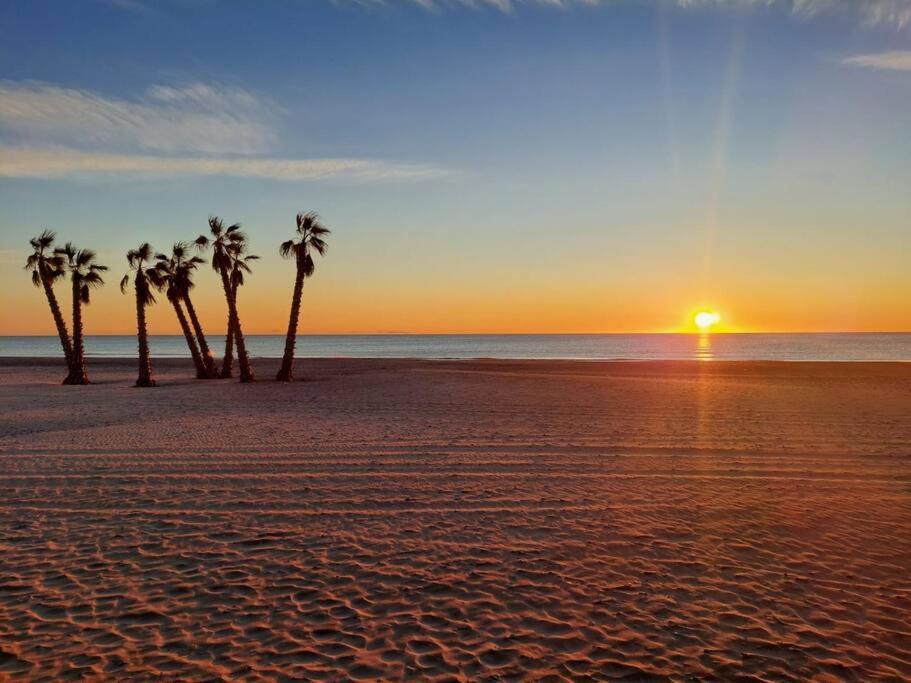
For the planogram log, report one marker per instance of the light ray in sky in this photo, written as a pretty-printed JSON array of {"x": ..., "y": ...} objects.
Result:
[{"x": 722, "y": 138}]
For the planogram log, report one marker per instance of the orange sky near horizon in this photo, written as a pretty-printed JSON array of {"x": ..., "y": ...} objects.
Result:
[{"x": 336, "y": 301}]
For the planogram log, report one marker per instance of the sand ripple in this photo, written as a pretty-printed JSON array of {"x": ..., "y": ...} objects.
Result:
[
  {"x": 458, "y": 525},
  {"x": 498, "y": 571}
]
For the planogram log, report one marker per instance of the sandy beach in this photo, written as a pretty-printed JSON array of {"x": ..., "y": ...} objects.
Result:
[{"x": 457, "y": 520}]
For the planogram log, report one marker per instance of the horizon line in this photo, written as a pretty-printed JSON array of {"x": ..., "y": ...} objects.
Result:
[{"x": 488, "y": 334}]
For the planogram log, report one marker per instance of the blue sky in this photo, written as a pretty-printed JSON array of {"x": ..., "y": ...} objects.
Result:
[{"x": 524, "y": 166}]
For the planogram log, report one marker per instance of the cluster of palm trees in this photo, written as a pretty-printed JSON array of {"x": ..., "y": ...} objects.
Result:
[{"x": 173, "y": 274}]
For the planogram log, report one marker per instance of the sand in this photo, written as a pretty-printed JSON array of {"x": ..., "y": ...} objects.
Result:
[{"x": 458, "y": 520}]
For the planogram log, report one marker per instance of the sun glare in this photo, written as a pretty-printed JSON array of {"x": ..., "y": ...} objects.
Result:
[{"x": 705, "y": 320}]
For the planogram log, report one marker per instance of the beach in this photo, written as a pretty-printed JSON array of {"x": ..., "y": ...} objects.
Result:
[{"x": 457, "y": 520}]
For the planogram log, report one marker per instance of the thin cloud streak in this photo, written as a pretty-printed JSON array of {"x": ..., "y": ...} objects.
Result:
[
  {"x": 197, "y": 118},
  {"x": 886, "y": 61},
  {"x": 889, "y": 12},
  {"x": 894, "y": 12},
  {"x": 25, "y": 162}
]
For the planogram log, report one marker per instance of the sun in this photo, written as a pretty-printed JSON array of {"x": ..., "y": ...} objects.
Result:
[{"x": 705, "y": 320}]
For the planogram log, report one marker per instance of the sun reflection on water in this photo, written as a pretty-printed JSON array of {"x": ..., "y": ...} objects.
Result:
[{"x": 704, "y": 347}]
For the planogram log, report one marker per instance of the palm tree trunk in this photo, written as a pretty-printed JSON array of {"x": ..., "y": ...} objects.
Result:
[
  {"x": 285, "y": 373},
  {"x": 188, "y": 335},
  {"x": 246, "y": 371},
  {"x": 142, "y": 334},
  {"x": 204, "y": 351},
  {"x": 78, "y": 374},
  {"x": 60, "y": 323},
  {"x": 228, "y": 360}
]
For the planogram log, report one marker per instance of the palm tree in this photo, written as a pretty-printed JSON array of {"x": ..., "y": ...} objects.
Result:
[
  {"x": 47, "y": 267},
  {"x": 85, "y": 275},
  {"x": 230, "y": 261},
  {"x": 184, "y": 282},
  {"x": 311, "y": 233},
  {"x": 167, "y": 275},
  {"x": 137, "y": 258}
]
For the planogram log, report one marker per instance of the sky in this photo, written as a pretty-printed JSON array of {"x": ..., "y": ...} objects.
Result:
[{"x": 485, "y": 166}]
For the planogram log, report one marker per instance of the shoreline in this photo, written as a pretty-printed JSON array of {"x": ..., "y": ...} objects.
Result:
[{"x": 171, "y": 361}]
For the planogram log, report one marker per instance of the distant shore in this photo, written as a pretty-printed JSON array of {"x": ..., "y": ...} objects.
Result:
[{"x": 390, "y": 519}]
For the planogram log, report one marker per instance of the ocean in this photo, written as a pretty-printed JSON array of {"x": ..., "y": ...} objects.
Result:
[{"x": 792, "y": 347}]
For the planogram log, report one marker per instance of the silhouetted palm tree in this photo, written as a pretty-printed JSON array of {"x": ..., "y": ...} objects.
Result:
[
  {"x": 85, "y": 275},
  {"x": 230, "y": 261},
  {"x": 228, "y": 359},
  {"x": 167, "y": 275},
  {"x": 311, "y": 233},
  {"x": 184, "y": 282},
  {"x": 46, "y": 268},
  {"x": 137, "y": 259}
]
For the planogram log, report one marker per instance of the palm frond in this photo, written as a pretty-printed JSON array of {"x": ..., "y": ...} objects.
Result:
[
  {"x": 69, "y": 250},
  {"x": 93, "y": 278},
  {"x": 286, "y": 249},
  {"x": 156, "y": 278},
  {"x": 146, "y": 298},
  {"x": 123, "y": 283},
  {"x": 145, "y": 251},
  {"x": 84, "y": 257},
  {"x": 319, "y": 244},
  {"x": 307, "y": 266},
  {"x": 36, "y": 278},
  {"x": 44, "y": 240}
]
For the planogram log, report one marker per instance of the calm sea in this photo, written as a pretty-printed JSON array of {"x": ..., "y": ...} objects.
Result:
[{"x": 841, "y": 347}]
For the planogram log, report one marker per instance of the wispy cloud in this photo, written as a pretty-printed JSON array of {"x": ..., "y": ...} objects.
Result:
[
  {"x": 47, "y": 131},
  {"x": 128, "y": 5},
  {"x": 196, "y": 118},
  {"x": 889, "y": 61},
  {"x": 29, "y": 162},
  {"x": 895, "y": 12}
]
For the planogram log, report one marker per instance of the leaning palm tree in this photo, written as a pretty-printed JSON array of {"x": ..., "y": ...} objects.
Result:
[
  {"x": 311, "y": 233},
  {"x": 165, "y": 276},
  {"x": 184, "y": 270},
  {"x": 46, "y": 268},
  {"x": 137, "y": 259},
  {"x": 230, "y": 261},
  {"x": 85, "y": 275}
]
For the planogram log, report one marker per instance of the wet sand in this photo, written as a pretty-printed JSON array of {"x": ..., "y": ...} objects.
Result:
[{"x": 458, "y": 520}]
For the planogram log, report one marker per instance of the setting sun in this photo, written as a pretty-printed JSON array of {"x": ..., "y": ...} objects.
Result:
[{"x": 705, "y": 320}]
